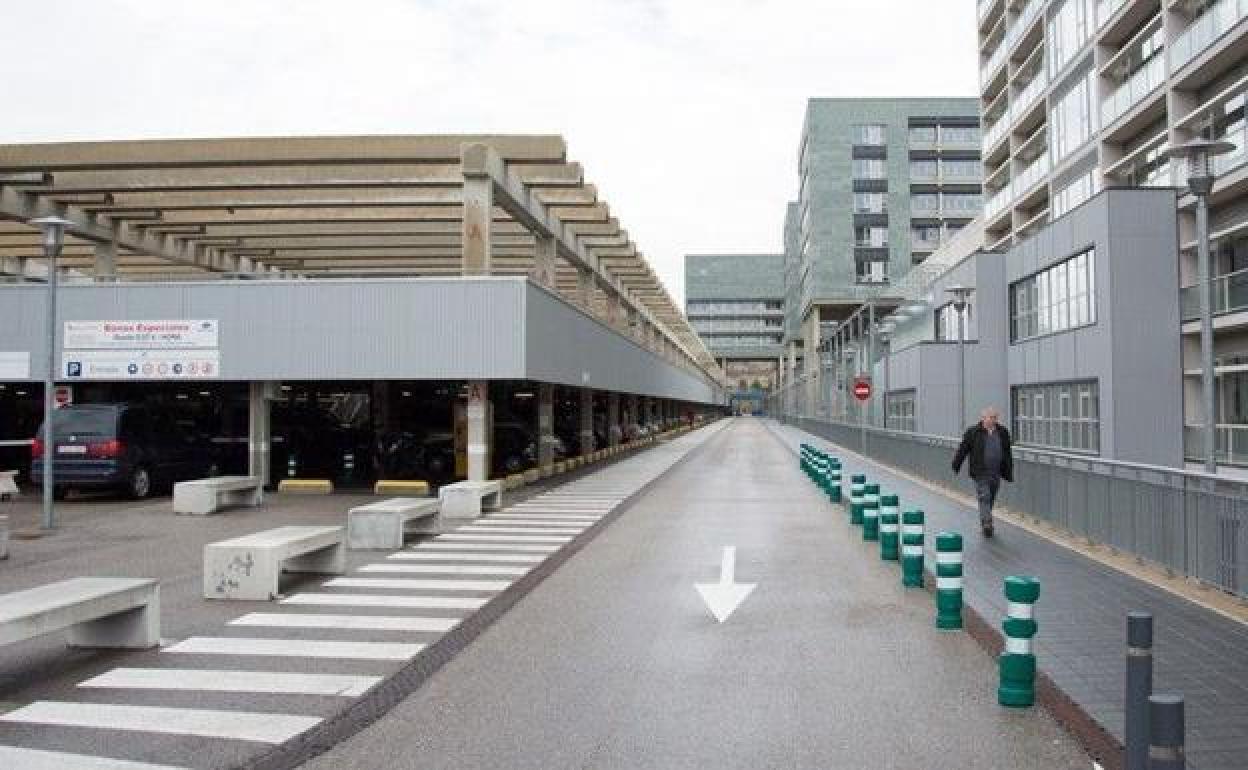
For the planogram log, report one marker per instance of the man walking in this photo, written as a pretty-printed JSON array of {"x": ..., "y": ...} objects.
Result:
[{"x": 988, "y": 446}]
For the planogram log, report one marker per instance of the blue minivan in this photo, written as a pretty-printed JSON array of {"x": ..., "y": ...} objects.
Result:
[{"x": 131, "y": 448}]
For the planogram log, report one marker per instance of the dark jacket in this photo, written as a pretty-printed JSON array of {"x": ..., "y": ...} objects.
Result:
[{"x": 973, "y": 446}]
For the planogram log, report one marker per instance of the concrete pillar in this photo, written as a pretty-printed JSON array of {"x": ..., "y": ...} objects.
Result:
[
  {"x": 478, "y": 211},
  {"x": 105, "y": 260},
  {"x": 633, "y": 413},
  {"x": 613, "y": 308},
  {"x": 544, "y": 262},
  {"x": 478, "y": 416},
  {"x": 587, "y": 421},
  {"x": 613, "y": 419},
  {"x": 545, "y": 426},
  {"x": 258, "y": 429},
  {"x": 585, "y": 289}
]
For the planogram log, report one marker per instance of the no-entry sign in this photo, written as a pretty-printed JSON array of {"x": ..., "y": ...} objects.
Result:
[{"x": 862, "y": 388}]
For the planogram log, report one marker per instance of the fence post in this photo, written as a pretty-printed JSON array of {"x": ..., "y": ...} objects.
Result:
[
  {"x": 871, "y": 512},
  {"x": 1139, "y": 687},
  {"x": 948, "y": 581},
  {"x": 912, "y": 548},
  {"x": 857, "y": 488},
  {"x": 1166, "y": 730},
  {"x": 1018, "y": 662},
  {"x": 888, "y": 527}
]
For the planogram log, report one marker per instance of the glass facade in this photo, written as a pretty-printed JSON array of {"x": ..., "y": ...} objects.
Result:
[
  {"x": 870, "y": 134},
  {"x": 1079, "y": 190},
  {"x": 899, "y": 410},
  {"x": 870, "y": 168},
  {"x": 1057, "y": 299},
  {"x": 1063, "y": 415},
  {"x": 1073, "y": 120},
  {"x": 1069, "y": 28},
  {"x": 870, "y": 203},
  {"x": 731, "y": 307}
]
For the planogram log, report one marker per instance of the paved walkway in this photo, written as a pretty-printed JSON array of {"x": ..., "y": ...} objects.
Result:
[
  {"x": 238, "y": 678},
  {"x": 615, "y": 662},
  {"x": 1082, "y": 617}
]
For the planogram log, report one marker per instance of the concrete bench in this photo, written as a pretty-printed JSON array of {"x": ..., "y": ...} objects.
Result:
[
  {"x": 8, "y": 485},
  {"x": 381, "y": 525},
  {"x": 204, "y": 496},
  {"x": 97, "y": 612},
  {"x": 467, "y": 499},
  {"x": 249, "y": 567}
]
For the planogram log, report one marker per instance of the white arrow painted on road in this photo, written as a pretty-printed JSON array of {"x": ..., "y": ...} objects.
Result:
[{"x": 725, "y": 596}]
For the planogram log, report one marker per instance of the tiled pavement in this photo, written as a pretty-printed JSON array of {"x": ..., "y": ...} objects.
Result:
[
  {"x": 279, "y": 669},
  {"x": 1198, "y": 653}
]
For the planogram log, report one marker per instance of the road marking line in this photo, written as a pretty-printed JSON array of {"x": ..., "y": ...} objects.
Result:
[
  {"x": 233, "y": 681},
  {"x": 35, "y": 759},
  {"x": 445, "y": 569},
  {"x": 505, "y": 529},
  {"x": 296, "y": 648},
  {"x": 349, "y": 622},
  {"x": 528, "y": 558},
  {"x": 386, "y": 600},
  {"x": 420, "y": 585},
  {"x": 486, "y": 547},
  {"x": 505, "y": 538},
  {"x": 232, "y": 725},
  {"x": 544, "y": 516}
]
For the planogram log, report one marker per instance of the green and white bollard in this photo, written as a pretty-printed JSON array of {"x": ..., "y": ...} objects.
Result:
[
  {"x": 818, "y": 469},
  {"x": 1018, "y": 663},
  {"x": 890, "y": 513},
  {"x": 948, "y": 581},
  {"x": 804, "y": 455},
  {"x": 871, "y": 512},
  {"x": 834, "y": 481},
  {"x": 857, "y": 490},
  {"x": 912, "y": 549}
]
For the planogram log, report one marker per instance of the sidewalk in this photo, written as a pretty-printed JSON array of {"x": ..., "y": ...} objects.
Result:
[
  {"x": 615, "y": 662},
  {"x": 1198, "y": 653}
]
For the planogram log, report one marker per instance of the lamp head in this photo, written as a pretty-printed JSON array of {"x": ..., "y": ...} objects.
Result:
[
  {"x": 1199, "y": 154},
  {"x": 53, "y": 232}
]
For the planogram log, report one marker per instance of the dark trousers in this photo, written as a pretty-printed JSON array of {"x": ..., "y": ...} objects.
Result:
[{"x": 986, "y": 488}]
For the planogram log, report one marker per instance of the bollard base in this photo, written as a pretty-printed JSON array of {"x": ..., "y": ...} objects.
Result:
[{"x": 1018, "y": 680}]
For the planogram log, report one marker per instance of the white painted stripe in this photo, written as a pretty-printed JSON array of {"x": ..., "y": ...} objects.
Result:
[
  {"x": 870, "y": 513},
  {"x": 948, "y": 557},
  {"x": 346, "y": 622},
  {"x": 544, "y": 516},
  {"x": 296, "y": 648},
  {"x": 35, "y": 759},
  {"x": 485, "y": 547},
  {"x": 233, "y": 681},
  {"x": 888, "y": 529},
  {"x": 1016, "y": 646},
  {"x": 506, "y": 538},
  {"x": 912, "y": 550},
  {"x": 541, "y": 520},
  {"x": 233, "y": 725},
  {"x": 387, "y": 600},
  {"x": 1020, "y": 610},
  {"x": 444, "y": 569},
  {"x": 949, "y": 583},
  {"x": 583, "y": 510},
  {"x": 503, "y": 527},
  {"x": 414, "y": 584},
  {"x": 911, "y": 529},
  {"x": 889, "y": 509},
  {"x": 525, "y": 558}
]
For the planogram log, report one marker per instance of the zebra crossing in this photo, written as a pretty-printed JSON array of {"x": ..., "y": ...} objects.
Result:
[{"x": 319, "y": 647}]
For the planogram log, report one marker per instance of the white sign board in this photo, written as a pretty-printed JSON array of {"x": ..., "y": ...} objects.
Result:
[
  {"x": 14, "y": 366},
  {"x": 140, "y": 335},
  {"x": 140, "y": 364}
]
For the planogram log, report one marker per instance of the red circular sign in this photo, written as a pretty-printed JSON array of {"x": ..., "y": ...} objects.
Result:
[{"x": 862, "y": 389}]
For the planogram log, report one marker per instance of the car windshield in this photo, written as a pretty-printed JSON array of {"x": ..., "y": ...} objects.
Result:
[{"x": 82, "y": 421}]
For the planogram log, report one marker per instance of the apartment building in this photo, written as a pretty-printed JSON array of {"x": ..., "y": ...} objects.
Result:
[{"x": 1081, "y": 95}]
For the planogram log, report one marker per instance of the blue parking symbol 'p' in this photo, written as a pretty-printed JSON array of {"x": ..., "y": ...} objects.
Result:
[{"x": 73, "y": 369}]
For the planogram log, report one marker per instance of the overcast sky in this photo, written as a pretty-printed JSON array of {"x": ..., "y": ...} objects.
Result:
[{"x": 685, "y": 113}]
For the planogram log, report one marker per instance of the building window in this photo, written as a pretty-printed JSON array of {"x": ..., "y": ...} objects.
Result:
[
  {"x": 871, "y": 237},
  {"x": 870, "y": 134},
  {"x": 1069, "y": 28},
  {"x": 899, "y": 410},
  {"x": 968, "y": 203},
  {"x": 872, "y": 270},
  {"x": 925, "y": 202},
  {"x": 1062, "y": 415},
  {"x": 946, "y": 320},
  {"x": 1071, "y": 123},
  {"x": 958, "y": 168},
  {"x": 1057, "y": 299},
  {"x": 923, "y": 169},
  {"x": 870, "y": 168},
  {"x": 870, "y": 203},
  {"x": 960, "y": 135},
  {"x": 1075, "y": 193},
  {"x": 922, "y": 134}
]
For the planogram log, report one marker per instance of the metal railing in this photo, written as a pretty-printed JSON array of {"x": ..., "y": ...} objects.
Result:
[
  {"x": 1230, "y": 443},
  {"x": 1207, "y": 28},
  {"x": 1105, "y": 10},
  {"x": 1187, "y": 522},
  {"x": 1230, "y": 293},
  {"x": 1142, "y": 82}
]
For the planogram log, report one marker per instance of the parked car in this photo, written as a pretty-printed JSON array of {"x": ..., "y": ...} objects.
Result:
[{"x": 131, "y": 448}]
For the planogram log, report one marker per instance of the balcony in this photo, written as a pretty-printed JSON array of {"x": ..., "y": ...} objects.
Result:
[
  {"x": 1036, "y": 172},
  {"x": 1022, "y": 23},
  {"x": 998, "y": 202},
  {"x": 994, "y": 63},
  {"x": 1105, "y": 10},
  {"x": 1207, "y": 28},
  {"x": 1230, "y": 294},
  {"x": 1142, "y": 82},
  {"x": 996, "y": 132},
  {"x": 1230, "y": 443}
]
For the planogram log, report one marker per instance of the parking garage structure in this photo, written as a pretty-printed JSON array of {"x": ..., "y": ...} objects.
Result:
[{"x": 470, "y": 298}]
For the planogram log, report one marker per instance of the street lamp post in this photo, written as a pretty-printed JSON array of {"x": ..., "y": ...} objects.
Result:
[
  {"x": 1200, "y": 175},
  {"x": 53, "y": 239},
  {"x": 960, "y": 296}
]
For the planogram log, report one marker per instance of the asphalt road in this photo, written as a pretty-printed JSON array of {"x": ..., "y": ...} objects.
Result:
[{"x": 615, "y": 662}]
